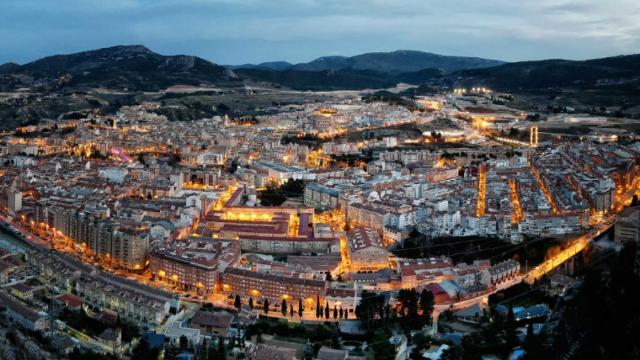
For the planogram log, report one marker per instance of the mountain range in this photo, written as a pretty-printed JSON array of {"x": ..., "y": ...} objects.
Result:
[
  {"x": 119, "y": 67},
  {"x": 395, "y": 62},
  {"x": 136, "y": 68}
]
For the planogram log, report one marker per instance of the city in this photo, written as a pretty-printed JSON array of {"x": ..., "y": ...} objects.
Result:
[{"x": 173, "y": 208}]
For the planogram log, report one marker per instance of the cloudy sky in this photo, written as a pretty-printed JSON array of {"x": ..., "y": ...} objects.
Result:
[{"x": 240, "y": 31}]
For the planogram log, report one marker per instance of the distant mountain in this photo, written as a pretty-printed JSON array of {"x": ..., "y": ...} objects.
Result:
[
  {"x": 270, "y": 65},
  {"x": 345, "y": 79},
  {"x": 137, "y": 68},
  {"x": 619, "y": 72},
  {"x": 396, "y": 62},
  {"x": 131, "y": 67},
  {"x": 340, "y": 79}
]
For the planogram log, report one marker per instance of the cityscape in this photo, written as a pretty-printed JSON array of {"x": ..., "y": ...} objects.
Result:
[{"x": 390, "y": 205}]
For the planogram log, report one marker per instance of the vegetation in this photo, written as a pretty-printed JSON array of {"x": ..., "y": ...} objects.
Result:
[
  {"x": 414, "y": 310},
  {"x": 391, "y": 99},
  {"x": 470, "y": 248},
  {"x": 275, "y": 195}
]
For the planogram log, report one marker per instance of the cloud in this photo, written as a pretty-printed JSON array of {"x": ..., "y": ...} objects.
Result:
[{"x": 238, "y": 31}]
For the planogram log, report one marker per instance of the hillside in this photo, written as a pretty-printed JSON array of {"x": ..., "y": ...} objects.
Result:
[
  {"x": 119, "y": 67},
  {"x": 619, "y": 72},
  {"x": 344, "y": 79},
  {"x": 396, "y": 62},
  {"x": 269, "y": 65}
]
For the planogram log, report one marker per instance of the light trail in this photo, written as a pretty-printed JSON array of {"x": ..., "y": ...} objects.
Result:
[
  {"x": 545, "y": 190},
  {"x": 515, "y": 200},
  {"x": 482, "y": 190}
]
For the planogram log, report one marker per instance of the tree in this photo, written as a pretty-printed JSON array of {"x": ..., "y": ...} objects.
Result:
[
  {"x": 326, "y": 310},
  {"x": 212, "y": 353},
  {"x": 335, "y": 312},
  {"x": 283, "y": 307},
  {"x": 265, "y": 306},
  {"x": 318, "y": 307},
  {"x": 184, "y": 342},
  {"x": 237, "y": 303},
  {"x": 143, "y": 351},
  {"x": 427, "y": 303},
  {"x": 512, "y": 339},
  {"x": 533, "y": 345},
  {"x": 369, "y": 305},
  {"x": 340, "y": 313},
  {"x": 291, "y": 310},
  {"x": 409, "y": 301},
  {"x": 300, "y": 308},
  {"x": 328, "y": 276},
  {"x": 251, "y": 303}
]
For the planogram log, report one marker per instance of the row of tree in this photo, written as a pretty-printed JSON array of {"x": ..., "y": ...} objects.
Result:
[
  {"x": 412, "y": 311},
  {"x": 321, "y": 311}
]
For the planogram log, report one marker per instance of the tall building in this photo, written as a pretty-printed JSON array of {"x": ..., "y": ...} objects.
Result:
[
  {"x": 627, "y": 227},
  {"x": 14, "y": 202},
  {"x": 130, "y": 247}
]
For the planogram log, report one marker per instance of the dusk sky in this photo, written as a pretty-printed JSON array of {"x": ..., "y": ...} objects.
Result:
[{"x": 242, "y": 31}]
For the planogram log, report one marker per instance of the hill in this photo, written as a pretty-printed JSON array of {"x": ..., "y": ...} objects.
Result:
[
  {"x": 396, "y": 62},
  {"x": 119, "y": 67},
  {"x": 618, "y": 72},
  {"x": 343, "y": 79},
  {"x": 270, "y": 65}
]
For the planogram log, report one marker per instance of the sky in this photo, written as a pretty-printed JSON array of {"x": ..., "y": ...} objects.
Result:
[{"x": 253, "y": 31}]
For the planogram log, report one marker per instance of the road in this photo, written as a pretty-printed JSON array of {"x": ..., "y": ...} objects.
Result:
[{"x": 577, "y": 245}]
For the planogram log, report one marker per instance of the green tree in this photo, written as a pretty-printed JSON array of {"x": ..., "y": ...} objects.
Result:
[
  {"x": 184, "y": 342},
  {"x": 427, "y": 303},
  {"x": 283, "y": 307},
  {"x": 533, "y": 345},
  {"x": 251, "y": 303},
  {"x": 265, "y": 306},
  {"x": 143, "y": 351},
  {"x": 237, "y": 302},
  {"x": 300, "y": 307},
  {"x": 326, "y": 310}
]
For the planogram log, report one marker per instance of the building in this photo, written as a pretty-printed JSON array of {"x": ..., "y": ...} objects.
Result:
[
  {"x": 321, "y": 197},
  {"x": 270, "y": 352},
  {"x": 366, "y": 250},
  {"x": 14, "y": 202},
  {"x": 22, "y": 314},
  {"x": 627, "y": 227},
  {"x": 9, "y": 265},
  {"x": 327, "y": 353},
  {"x": 130, "y": 249},
  {"x": 129, "y": 300},
  {"x": 259, "y": 285},
  {"x": 194, "y": 264},
  {"x": 504, "y": 271},
  {"x": 212, "y": 323}
]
